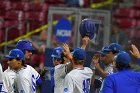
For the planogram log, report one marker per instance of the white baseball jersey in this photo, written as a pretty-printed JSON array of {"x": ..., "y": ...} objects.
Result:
[
  {"x": 110, "y": 70},
  {"x": 2, "y": 83},
  {"x": 9, "y": 79},
  {"x": 26, "y": 80},
  {"x": 78, "y": 81},
  {"x": 59, "y": 75}
]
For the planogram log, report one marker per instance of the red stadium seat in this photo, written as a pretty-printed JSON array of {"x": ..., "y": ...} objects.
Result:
[
  {"x": 1, "y": 36},
  {"x": 2, "y": 5},
  {"x": 137, "y": 14},
  {"x": 8, "y": 5},
  {"x": 9, "y": 23},
  {"x": 137, "y": 4},
  {"x": 45, "y": 7},
  {"x": 55, "y": 1},
  {"x": 126, "y": 23},
  {"x": 18, "y": 5},
  {"x": 11, "y": 15},
  {"x": 12, "y": 36},
  {"x": 125, "y": 12}
]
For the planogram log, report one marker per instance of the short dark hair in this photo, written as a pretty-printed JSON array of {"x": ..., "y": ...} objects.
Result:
[
  {"x": 121, "y": 66},
  {"x": 77, "y": 61}
]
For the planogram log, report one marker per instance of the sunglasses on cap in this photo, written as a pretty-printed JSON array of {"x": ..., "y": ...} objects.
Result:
[{"x": 57, "y": 59}]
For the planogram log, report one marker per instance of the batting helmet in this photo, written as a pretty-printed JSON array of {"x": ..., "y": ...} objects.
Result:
[
  {"x": 87, "y": 28},
  {"x": 57, "y": 52},
  {"x": 24, "y": 45}
]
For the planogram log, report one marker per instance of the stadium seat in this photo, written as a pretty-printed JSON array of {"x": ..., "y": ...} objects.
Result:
[
  {"x": 12, "y": 15},
  {"x": 1, "y": 36},
  {"x": 24, "y": 6},
  {"x": 137, "y": 14},
  {"x": 9, "y": 23},
  {"x": 55, "y": 1},
  {"x": 12, "y": 36},
  {"x": 18, "y": 5},
  {"x": 125, "y": 12},
  {"x": 8, "y": 5},
  {"x": 126, "y": 23},
  {"x": 2, "y": 5},
  {"x": 137, "y": 4},
  {"x": 45, "y": 7}
]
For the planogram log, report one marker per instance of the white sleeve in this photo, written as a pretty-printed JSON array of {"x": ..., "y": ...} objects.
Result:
[
  {"x": 62, "y": 70},
  {"x": 3, "y": 88},
  {"x": 35, "y": 73},
  {"x": 68, "y": 85}
]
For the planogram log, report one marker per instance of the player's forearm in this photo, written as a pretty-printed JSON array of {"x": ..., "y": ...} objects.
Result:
[{"x": 69, "y": 67}]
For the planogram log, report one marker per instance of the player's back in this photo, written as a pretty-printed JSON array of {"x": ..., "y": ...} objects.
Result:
[
  {"x": 26, "y": 79},
  {"x": 80, "y": 80},
  {"x": 59, "y": 75},
  {"x": 10, "y": 76}
]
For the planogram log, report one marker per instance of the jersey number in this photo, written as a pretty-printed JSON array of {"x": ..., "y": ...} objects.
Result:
[
  {"x": 86, "y": 85},
  {"x": 33, "y": 83}
]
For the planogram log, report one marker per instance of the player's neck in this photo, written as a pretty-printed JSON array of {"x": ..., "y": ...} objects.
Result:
[{"x": 78, "y": 66}]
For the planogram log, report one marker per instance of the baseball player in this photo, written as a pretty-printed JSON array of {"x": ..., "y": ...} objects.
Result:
[
  {"x": 62, "y": 67},
  {"x": 124, "y": 80},
  {"x": 107, "y": 57},
  {"x": 78, "y": 80},
  {"x": 26, "y": 76},
  {"x": 10, "y": 75}
]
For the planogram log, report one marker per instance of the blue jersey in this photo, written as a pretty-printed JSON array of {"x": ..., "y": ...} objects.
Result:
[{"x": 122, "y": 82}]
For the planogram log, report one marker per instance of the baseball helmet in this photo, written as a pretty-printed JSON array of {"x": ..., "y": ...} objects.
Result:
[
  {"x": 114, "y": 47},
  {"x": 104, "y": 51},
  {"x": 24, "y": 45},
  {"x": 57, "y": 52},
  {"x": 15, "y": 53},
  {"x": 88, "y": 28},
  {"x": 123, "y": 57}
]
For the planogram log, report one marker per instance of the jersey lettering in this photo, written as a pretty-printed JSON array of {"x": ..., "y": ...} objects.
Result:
[
  {"x": 1, "y": 86},
  {"x": 33, "y": 83},
  {"x": 86, "y": 85}
]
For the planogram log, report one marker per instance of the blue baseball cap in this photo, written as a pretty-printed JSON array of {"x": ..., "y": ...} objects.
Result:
[
  {"x": 104, "y": 50},
  {"x": 123, "y": 57},
  {"x": 24, "y": 45},
  {"x": 79, "y": 53},
  {"x": 114, "y": 47},
  {"x": 15, "y": 53},
  {"x": 57, "y": 52}
]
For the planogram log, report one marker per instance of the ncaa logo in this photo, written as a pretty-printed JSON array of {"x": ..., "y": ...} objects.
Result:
[{"x": 65, "y": 89}]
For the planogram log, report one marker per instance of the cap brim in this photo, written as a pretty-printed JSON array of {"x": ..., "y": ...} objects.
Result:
[
  {"x": 102, "y": 53},
  {"x": 7, "y": 56},
  {"x": 55, "y": 56}
]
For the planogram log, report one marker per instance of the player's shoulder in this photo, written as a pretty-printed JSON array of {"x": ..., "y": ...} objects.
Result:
[
  {"x": 88, "y": 69},
  {"x": 60, "y": 66}
]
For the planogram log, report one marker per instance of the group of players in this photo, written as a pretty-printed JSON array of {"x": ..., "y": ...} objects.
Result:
[
  {"x": 116, "y": 77},
  {"x": 69, "y": 74}
]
